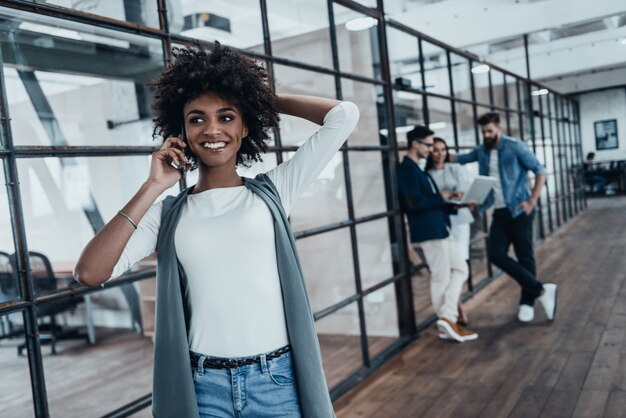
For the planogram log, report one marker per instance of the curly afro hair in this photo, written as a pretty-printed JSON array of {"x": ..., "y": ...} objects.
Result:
[{"x": 226, "y": 73}]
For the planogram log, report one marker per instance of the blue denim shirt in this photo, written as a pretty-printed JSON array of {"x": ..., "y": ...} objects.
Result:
[{"x": 514, "y": 161}]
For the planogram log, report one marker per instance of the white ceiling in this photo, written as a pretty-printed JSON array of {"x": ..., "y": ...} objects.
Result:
[{"x": 568, "y": 39}]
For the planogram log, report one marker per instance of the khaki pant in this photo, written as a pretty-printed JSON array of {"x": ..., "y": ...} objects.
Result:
[{"x": 448, "y": 273}]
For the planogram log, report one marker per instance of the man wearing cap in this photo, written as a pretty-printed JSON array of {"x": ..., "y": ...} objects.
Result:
[
  {"x": 509, "y": 160},
  {"x": 429, "y": 223}
]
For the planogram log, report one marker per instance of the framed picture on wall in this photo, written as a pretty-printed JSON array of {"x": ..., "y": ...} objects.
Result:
[{"x": 606, "y": 134}]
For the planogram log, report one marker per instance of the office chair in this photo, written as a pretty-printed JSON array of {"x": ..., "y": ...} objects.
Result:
[
  {"x": 9, "y": 290},
  {"x": 44, "y": 282}
]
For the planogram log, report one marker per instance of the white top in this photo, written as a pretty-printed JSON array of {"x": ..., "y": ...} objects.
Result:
[
  {"x": 225, "y": 243},
  {"x": 494, "y": 171},
  {"x": 454, "y": 177}
]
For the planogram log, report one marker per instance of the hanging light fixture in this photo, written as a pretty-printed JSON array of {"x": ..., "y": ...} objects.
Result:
[
  {"x": 361, "y": 23},
  {"x": 481, "y": 69}
]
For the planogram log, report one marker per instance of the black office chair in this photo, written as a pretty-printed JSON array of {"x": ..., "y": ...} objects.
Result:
[
  {"x": 44, "y": 282},
  {"x": 9, "y": 290}
]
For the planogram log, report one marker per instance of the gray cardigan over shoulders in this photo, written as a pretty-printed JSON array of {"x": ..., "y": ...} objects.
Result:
[{"x": 173, "y": 392}]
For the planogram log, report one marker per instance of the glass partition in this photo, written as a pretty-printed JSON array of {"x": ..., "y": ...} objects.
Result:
[
  {"x": 236, "y": 23},
  {"x": 16, "y": 395},
  {"x": 300, "y": 31},
  {"x": 78, "y": 85},
  {"x": 81, "y": 139},
  {"x": 358, "y": 42}
]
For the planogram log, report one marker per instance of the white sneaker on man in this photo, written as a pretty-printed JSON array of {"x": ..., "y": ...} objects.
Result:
[
  {"x": 548, "y": 300},
  {"x": 526, "y": 313}
]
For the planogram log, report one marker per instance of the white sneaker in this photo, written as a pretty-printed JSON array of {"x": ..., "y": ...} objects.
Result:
[
  {"x": 526, "y": 313},
  {"x": 548, "y": 300}
]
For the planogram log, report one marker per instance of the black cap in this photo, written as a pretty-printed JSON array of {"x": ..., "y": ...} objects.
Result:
[{"x": 418, "y": 133}]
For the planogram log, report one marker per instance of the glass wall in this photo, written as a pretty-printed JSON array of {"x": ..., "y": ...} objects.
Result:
[{"x": 75, "y": 145}]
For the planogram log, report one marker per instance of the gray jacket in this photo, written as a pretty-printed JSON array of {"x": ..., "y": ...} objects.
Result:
[{"x": 173, "y": 393}]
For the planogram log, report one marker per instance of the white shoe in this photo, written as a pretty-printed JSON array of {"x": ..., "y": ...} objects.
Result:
[
  {"x": 526, "y": 313},
  {"x": 548, "y": 300}
]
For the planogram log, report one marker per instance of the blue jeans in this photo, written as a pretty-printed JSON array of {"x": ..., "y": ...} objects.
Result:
[{"x": 267, "y": 389}]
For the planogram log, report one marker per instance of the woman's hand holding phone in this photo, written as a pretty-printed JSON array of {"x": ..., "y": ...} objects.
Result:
[{"x": 169, "y": 164}]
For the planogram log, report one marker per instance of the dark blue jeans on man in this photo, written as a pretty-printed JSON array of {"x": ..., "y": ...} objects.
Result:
[{"x": 506, "y": 230}]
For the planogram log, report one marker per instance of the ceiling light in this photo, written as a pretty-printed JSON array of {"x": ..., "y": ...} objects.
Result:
[
  {"x": 481, "y": 69},
  {"x": 361, "y": 23},
  {"x": 540, "y": 92},
  {"x": 624, "y": 41},
  {"x": 437, "y": 125}
]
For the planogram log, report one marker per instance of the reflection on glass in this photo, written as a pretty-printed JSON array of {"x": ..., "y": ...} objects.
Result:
[
  {"x": 15, "y": 389},
  {"x": 421, "y": 293},
  {"x": 124, "y": 358},
  {"x": 368, "y": 183},
  {"x": 403, "y": 57},
  {"x": 478, "y": 246},
  {"x": 514, "y": 127},
  {"x": 374, "y": 252},
  {"x": 340, "y": 341},
  {"x": 294, "y": 131},
  {"x": 381, "y": 319},
  {"x": 370, "y": 100},
  {"x": 481, "y": 86},
  {"x": 299, "y": 31},
  {"x": 523, "y": 93},
  {"x": 409, "y": 111},
  {"x": 235, "y": 23},
  {"x": 140, "y": 12},
  {"x": 465, "y": 124},
  {"x": 511, "y": 85},
  {"x": 497, "y": 83},
  {"x": 440, "y": 120},
  {"x": 9, "y": 283},
  {"x": 74, "y": 197},
  {"x": 324, "y": 202},
  {"x": 328, "y": 268},
  {"x": 357, "y": 42},
  {"x": 435, "y": 69},
  {"x": 74, "y": 84},
  {"x": 461, "y": 77}
]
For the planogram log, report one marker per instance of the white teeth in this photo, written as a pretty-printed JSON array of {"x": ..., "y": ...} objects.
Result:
[{"x": 214, "y": 145}]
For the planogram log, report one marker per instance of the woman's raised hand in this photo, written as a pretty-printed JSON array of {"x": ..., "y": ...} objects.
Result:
[{"x": 169, "y": 164}]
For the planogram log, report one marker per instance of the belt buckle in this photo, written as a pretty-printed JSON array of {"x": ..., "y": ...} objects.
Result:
[{"x": 231, "y": 363}]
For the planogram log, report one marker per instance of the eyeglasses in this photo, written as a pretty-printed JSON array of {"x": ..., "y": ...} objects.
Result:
[{"x": 427, "y": 144}]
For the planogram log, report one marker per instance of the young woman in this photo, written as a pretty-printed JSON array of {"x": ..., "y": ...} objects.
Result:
[
  {"x": 234, "y": 330},
  {"x": 452, "y": 180}
]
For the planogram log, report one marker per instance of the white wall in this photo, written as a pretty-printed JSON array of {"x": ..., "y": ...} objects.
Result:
[{"x": 603, "y": 105}]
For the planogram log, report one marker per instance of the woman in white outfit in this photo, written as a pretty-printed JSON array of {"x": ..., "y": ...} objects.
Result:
[
  {"x": 453, "y": 181},
  {"x": 234, "y": 330}
]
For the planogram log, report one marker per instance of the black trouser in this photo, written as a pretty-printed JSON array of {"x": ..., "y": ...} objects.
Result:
[{"x": 506, "y": 230}]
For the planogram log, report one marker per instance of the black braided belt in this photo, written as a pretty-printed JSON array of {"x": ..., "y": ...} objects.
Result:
[{"x": 233, "y": 363}]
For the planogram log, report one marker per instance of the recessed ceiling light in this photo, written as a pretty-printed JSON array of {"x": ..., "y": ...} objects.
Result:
[
  {"x": 361, "y": 23},
  {"x": 624, "y": 41},
  {"x": 481, "y": 69},
  {"x": 540, "y": 92}
]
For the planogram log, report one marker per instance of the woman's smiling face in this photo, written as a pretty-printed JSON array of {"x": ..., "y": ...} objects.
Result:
[
  {"x": 439, "y": 152},
  {"x": 215, "y": 129}
]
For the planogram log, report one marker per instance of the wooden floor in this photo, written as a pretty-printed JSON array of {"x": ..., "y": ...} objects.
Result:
[{"x": 575, "y": 366}]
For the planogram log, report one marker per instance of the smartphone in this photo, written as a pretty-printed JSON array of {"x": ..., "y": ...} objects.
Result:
[{"x": 183, "y": 166}]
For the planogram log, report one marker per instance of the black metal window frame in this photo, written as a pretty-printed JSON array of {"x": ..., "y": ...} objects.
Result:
[{"x": 563, "y": 132}]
